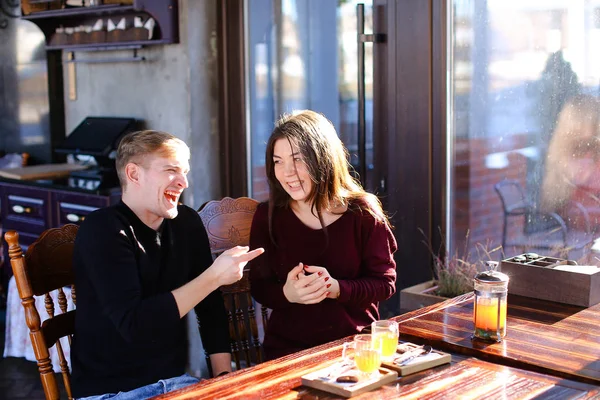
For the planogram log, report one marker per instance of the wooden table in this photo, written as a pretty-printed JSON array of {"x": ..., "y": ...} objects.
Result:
[
  {"x": 448, "y": 327},
  {"x": 542, "y": 336},
  {"x": 464, "y": 378}
]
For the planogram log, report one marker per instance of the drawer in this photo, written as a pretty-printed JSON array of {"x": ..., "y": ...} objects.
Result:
[
  {"x": 69, "y": 213},
  {"x": 26, "y": 210},
  {"x": 73, "y": 208}
]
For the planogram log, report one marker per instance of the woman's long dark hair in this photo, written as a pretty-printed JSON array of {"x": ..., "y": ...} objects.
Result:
[{"x": 326, "y": 158}]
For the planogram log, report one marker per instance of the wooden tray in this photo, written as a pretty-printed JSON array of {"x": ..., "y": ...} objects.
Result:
[
  {"x": 319, "y": 380},
  {"x": 545, "y": 278},
  {"x": 420, "y": 363}
]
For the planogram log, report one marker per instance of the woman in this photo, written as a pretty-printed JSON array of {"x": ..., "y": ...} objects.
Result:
[
  {"x": 573, "y": 157},
  {"x": 328, "y": 258}
]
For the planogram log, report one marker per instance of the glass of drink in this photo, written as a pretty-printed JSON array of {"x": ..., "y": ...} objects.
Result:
[
  {"x": 386, "y": 332},
  {"x": 367, "y": 353}
]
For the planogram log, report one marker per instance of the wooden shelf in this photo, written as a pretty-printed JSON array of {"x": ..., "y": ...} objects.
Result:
[
  {"x": 104, "y": 46},
  {"x": 79, "y": 12},
  {"x": 164, "y": 12}
]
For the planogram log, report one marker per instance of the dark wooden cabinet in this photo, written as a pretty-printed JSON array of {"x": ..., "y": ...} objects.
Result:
[
  {"x": 25, "y": 209},
  {"x": 32, "y": 207}
]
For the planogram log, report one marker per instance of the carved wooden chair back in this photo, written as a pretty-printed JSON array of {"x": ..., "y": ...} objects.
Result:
[
  {"x": 227, "y": 224},
  {"x": 47, "y": 267}
]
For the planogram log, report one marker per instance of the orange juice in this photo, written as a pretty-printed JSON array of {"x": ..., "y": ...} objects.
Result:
[
  {"x": 387, "y": 341},
  {"x": 486, "y": 318},
  {"x": 367, "y": 361}
]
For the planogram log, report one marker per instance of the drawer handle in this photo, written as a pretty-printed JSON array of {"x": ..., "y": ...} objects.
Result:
[
  {"x": 75, "y": 218},
  {"x": 20, "y": 209}
]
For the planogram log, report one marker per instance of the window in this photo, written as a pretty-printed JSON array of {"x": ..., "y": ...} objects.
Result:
[
  {"x": 303, "y": 54},
  {"x": 524, "y": 113}
]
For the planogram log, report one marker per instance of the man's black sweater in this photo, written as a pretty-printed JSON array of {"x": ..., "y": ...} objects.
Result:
[{"x": 127, "y": 329}]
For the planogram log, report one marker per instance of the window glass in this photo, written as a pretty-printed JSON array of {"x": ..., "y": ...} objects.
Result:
[
  {"x": 524, "y": 126},
  {"x": 303, "y": 54}
]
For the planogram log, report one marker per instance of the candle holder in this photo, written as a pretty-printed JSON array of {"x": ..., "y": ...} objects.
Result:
[{"x": 489, "y": 309}]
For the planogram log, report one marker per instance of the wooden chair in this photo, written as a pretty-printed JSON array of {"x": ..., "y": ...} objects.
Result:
[
  {"x": 227, "y": 223},
  {"x": 46, "y": 266},
  {"x": 552, "y": 232}
]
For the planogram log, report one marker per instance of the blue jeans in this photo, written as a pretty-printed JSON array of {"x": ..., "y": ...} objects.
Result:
[{"x": 161, "y": 387}]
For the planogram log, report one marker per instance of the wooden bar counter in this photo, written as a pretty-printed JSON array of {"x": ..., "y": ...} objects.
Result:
[{"x": 551, "y": 351}]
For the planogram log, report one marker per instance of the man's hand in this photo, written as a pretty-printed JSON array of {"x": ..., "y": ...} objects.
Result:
[
  {"x": 220, "y": 363},
  {"x": 225, "y": 270},
  {"x": 229, "y": 266}
]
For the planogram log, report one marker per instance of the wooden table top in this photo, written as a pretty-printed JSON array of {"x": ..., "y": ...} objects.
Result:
[
  {"x": 555, "y": 339},
  {"x": 542, "y": 336},
  {"x": 467, "y": 378}
]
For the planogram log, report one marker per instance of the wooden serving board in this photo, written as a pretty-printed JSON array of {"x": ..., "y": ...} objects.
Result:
[
  {"x": 419, "y": 363},
  {"x": 319, "y": 380},
  {"x": 44, "y": 171}
]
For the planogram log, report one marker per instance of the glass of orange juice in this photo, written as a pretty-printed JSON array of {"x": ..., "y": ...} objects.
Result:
[
  {"x": 367, "y": 353},
  {"x": 386, "y": 331}
]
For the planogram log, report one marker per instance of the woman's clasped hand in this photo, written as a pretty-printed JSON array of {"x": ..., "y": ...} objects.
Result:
[{"x": 309, "y": 285}]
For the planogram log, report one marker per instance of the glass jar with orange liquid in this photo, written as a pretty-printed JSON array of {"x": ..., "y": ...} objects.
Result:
[{"x": 489, "y": 309}]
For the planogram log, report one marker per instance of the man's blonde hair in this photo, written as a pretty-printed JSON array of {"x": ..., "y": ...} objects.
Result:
[{"x": 135, "y": 146}]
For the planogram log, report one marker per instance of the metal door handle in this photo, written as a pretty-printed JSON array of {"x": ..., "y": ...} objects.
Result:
[{"x": 363, "y": 38}]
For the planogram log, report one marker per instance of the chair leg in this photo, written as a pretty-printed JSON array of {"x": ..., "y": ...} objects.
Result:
[{"x": 504, "y": 230}]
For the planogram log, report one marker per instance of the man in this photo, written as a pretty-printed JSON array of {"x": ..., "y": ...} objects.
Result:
[{"x": 140, "y": 267}]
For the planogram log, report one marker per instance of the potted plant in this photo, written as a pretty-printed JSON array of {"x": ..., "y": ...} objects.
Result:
[{"x": 452, "y": 275}]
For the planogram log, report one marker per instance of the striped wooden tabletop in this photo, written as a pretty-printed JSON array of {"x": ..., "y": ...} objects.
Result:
[
  {"x": 463, "y": 378},
  {"x": 551, "y": 338},
  {"x": 557, "y": 340}
]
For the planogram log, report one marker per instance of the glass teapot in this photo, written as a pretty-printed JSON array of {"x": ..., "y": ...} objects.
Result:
[{"x": 489, "y": 310}]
